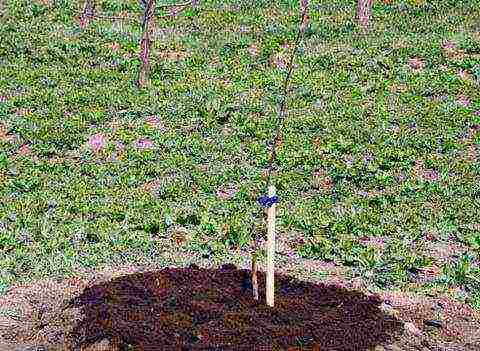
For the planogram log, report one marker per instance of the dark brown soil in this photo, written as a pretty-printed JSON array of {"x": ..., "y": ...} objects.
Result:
[{"x": 202, "y": 309}]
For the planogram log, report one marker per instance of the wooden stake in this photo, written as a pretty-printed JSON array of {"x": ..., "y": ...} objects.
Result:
[{"x": 270, "y": 250}]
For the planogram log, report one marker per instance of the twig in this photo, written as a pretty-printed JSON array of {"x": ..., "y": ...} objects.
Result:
[
  {"x": 170, "y": 15},
  {"x": 281, "y": 113},
  {"x": 86, "y": 14},
  {"x": 176, "y": 5},
  {"x": 112, "y": 18},
  {"x": 129, "y": 18},
  {"x": 182, "y": 8}
]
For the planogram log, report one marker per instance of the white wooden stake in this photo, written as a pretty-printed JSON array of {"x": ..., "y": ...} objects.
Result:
[{"x": 270, "y": 286}]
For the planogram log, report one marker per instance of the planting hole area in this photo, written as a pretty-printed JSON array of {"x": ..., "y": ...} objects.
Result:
[{"x": 202, "y": 309}]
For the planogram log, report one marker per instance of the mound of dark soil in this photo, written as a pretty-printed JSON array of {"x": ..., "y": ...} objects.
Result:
[{"x": 201, "y": 309}]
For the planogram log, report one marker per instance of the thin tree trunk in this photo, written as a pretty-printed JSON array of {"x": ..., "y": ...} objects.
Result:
[
  {"x": 364, "y": 12},
  {"x": 146, "y": 42},
  {"x": 87, "y": 13},
  {"x": 254, "y": 274},
  {"x": 255, "y": 253}
]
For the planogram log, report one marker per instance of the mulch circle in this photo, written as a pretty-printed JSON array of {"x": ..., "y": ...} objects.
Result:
[{"x": 204, "y": 309}]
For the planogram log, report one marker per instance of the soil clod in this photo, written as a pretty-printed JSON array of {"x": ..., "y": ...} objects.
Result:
[{"x": 433, "y": 323}]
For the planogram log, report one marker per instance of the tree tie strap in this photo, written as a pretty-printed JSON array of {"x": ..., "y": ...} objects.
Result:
[{"x": 267, "y": 202}]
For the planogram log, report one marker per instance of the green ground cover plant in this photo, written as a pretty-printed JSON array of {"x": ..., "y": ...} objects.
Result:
[{"x": 377, "y": 170}]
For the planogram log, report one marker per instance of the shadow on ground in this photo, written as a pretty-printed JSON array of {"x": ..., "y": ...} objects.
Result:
[{"x": 200, "y": 309}]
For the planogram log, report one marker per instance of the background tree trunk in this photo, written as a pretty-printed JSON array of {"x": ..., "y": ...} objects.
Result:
[
  {"x": 87, "y": 13},
  {"x": 146, "y": 42},
  {"x": 364, "y": 12}
]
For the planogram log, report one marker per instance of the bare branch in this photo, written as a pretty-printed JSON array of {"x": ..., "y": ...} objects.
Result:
[
  {"x": 147, "y": 21},
  {"x": 169, "y": 15},
  {"x": 88, "y": 12},
  {"x": 176, "y": 5},
  {"x": 281, "y": 110},
  {"x": 182, "y": 7},
  {"x": 113, "y": 18}
]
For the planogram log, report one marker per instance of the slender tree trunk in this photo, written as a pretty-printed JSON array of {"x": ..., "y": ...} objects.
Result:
[
  {"x": 254, "y": 261},
  {"x": 254, "y": 275},
  {"x": 87, "y": 13},
  {"x": 146, "y": 42},
  {"x": 364, "y": 12}
]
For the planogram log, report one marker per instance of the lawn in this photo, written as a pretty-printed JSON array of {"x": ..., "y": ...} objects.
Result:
[{"x": 378, "y": 170}]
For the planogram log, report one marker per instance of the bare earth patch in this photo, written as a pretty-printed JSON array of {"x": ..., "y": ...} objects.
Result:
[{"x": 35, "y": 314}]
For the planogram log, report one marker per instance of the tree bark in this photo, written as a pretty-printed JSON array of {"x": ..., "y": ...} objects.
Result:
[
  {"x": 364, "y": 12},
  {"x": 146, "y": 42},
  {"x": 254, "y": 275}
]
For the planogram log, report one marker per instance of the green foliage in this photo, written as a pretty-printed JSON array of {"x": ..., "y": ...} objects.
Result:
[
  {"x": 356, "y": 110},
  {"x": 463, "y": 272}
]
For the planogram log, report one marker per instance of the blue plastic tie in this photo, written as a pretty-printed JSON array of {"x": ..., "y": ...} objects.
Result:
[{"x": 267, "y": 202}]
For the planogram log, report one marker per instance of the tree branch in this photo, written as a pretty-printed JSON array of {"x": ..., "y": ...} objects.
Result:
[
  {"x": 88, "y": 12},
  {"x": 113, "y": 18},
  {"x": 182, "y": 8},
  {"x": 176, "y": 5}
]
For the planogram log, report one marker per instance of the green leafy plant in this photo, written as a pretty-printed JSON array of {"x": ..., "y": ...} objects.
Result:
[{"x": 462, "y": 272}]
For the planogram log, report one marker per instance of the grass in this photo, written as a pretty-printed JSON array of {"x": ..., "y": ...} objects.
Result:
[{"x": 357, "y": 112}]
